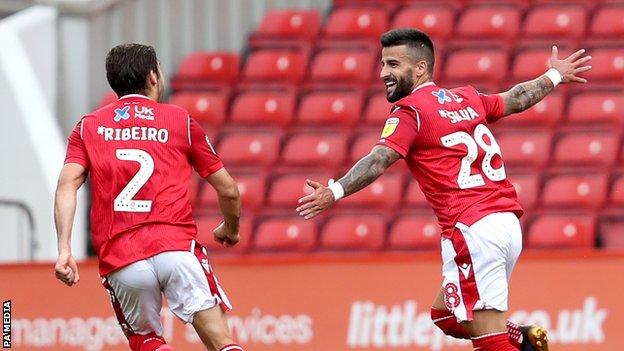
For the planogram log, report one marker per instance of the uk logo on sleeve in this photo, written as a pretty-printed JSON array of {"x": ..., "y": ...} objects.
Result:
[{"x": 390, "y": 127}]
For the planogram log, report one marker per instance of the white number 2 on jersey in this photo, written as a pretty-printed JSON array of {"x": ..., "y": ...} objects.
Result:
[
  {"x": 465, "y": 180},
  {"x": 124, "y": 201}
]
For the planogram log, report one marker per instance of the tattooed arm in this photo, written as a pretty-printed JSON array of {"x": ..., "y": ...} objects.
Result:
[
  {"x": 527, "y": 94},
  {"x": 363, "y": 173}
]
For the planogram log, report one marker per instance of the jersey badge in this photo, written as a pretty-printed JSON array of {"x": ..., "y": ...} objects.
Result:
[
  {"x": 121, "y": 113},
  {"x": 390, "y": 127},
  {"x": 441, "y": 95}
]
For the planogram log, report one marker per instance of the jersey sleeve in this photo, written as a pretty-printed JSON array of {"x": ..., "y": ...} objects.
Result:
[
  {"x": 76, "y": 150},
  {"x": 203, "y": 157},
  {"x": 494, "y": 107},
  {"x": 400, "y": 130}
]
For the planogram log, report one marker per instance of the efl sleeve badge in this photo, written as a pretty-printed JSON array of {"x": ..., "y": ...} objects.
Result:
[{"x": 390, "y": 127}]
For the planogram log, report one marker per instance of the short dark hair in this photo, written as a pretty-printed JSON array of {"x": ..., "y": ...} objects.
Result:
[
  {"x": 127, "y": 68},
  {"x": 415, "y": 39}
]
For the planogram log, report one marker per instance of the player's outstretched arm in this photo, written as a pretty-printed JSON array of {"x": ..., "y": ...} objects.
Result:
[
  {"x": 229, "y": 203},
  {"x": 71, "y": 178},
  {"x": 363, "y": 173},
  {"x": 526, "y": 94}
]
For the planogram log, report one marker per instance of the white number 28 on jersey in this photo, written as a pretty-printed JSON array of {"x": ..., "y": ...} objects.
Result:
[
  {"x": 124, "y": 202},
  {"x": 465, "y": 180}
]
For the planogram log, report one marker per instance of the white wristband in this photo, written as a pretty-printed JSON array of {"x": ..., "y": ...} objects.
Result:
[
  {"x": 554, "y": 76},
  {"x": 336, "y": 188}
]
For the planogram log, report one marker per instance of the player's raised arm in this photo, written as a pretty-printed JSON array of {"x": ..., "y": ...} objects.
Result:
[
  {"x": 363, "y": 173},
  {"x": 526, "y": 94},
  {"x": 71, "y": 178},
  {"x": 230, "y": 205}
]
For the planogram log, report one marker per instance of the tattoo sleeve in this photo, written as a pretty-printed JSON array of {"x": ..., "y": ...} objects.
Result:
[
  {"x": 527, "y": 94},
  {"x": 368, "y": 168}
]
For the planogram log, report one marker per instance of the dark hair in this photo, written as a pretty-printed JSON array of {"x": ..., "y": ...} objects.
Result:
[
  {"x": 414, "y": 39},
  {"x": 127, "y": 68}
]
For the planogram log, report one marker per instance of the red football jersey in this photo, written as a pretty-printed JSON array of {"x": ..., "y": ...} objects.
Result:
[
  {"x": 139, "y": 155},
  {"x": 444, "y": 137}
]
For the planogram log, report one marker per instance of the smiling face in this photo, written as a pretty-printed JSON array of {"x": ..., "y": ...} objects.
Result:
[{"x": 401, "y": 72}]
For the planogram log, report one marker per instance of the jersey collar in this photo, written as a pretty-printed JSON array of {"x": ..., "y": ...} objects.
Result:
[
  {"x": 423, "y": 85},
  {"x": 130, "y": 96}
]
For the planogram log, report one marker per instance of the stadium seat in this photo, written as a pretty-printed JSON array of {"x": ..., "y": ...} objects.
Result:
[
  {"x": 357, "y": 232},
  {"x": 545, "y": 113},
  {"x": 562, "y": 231},
  {"x": 286, "y": 189},
  {"x": 363, "y": 144},
  {"x": 321, "y": 108},
  {"x": 201, "y": 68},
  {"x": 616, "y": 197},
  {"x": 205, "y": 234},
  {"x": 415, "y": 232},
  {"x": 527, "y": 188},
  {"x": 607, "y": 65},
  {"x": 377, "y": 110},
  {"x": 108, "y": 98},
  {"x": 530, "y": 63},
  {"x": 530, "y": 148},
  {"x": 342, "y": 66},
  {"x": 277, "y": 65},
  {"x": 263, "y": 107},
  {"x": 612, "y": 235},
  {"x": 289, "y": 233},
  {"x": 356, "y": 22},
  {"x": 252, "y": 187},
  {"x": 485, "y": 64},
  {"x": 579, "y": 191},
  {"x": 315, "y": 149},
  {"x": 563, "y": 20},
  {"x": 607, "y": 22},
  {"x": 384, "y": 193},
  {"x": 290, "y": 24},
  {"x": 436, "y": 20},
  {"x": 596, "y": 107},
  {"x": 249, "y": 148},
  {"x": 207, "y": 107},
  {"x": 587, "y": 148},
  {"x": 489, "y": 22},
  {"x": 414, "y": 196}
]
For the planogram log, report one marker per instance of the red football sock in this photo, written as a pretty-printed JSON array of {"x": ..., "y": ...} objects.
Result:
[
  {"x": 514, "y": 334},
  {"x": 447, "y": 322},
  {"x": 148, "y": 342},
  {"x": 492, "y": 342},
  {"x": 231, "y": 347}
]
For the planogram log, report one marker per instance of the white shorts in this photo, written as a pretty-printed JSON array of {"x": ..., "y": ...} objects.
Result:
[
  {"x": 186, "y": 279},
  {"x": 478, "y": 261}
]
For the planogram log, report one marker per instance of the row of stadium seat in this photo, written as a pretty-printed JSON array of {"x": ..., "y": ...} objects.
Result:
[{"x": 367, "y": 231}]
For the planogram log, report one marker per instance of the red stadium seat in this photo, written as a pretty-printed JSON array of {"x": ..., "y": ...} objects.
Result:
[
  {"x": 436, "y": 20},
  {"x": 607, "y": 64},
  {"x": 547, "y": 112},
  {"x": 207, "y": 107},
  {"x": 377, "y": 110},
  {"x": 415, "y": 196},
  {"x": 586, "y": 191},
  {"x": 251, "y": 186},
  {"x": 108, "y": 98},
  {"x": 384, "y": 193},
  {"x": 608, "y": 22},
  {"x": 616, "y": 197},
  {"x": 415, "y": 232},
  {"x": 202, "y": 67},
  {"x": 276, "y": 65},
  {"x": 489, "y": 22},
  {"x": 587, "y": 148},
  {"x": 290, "y": 233},
  {"x": 476, "y": 64},
  {"x": 530, "y": 63},
  {"x": 287, "y": 189},
  {"x": 354, "y": 232},
  {"x": 263, "y": 107},
  {"x": 562, "y": 231},
  {"x": 315, "y": 149},
  {"x": 249, "y": 148},
  {"x": 363, "y": 144},
  {"x": 595, "y": 107},
  {"x": 205, "y": 235},
  {"x": 555, "y": 21},
  {"x": 612, "y": 235},
  {"x": 530, "y": 148},
  {"x": 357, "y": 22},
  {"x": 342, "y": 66},
  {"x": 291, "y": 24},
  {"x": 527, "y": 188},
  {"x": 322, "y": 108}
]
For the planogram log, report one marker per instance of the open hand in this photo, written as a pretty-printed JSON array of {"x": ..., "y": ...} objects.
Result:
[
  {"x": 571, "y": 66},
  {"x": 321, "y": 199},
  {"x": 224, "y": 237},
  {"x": 66, "y": 269}
]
